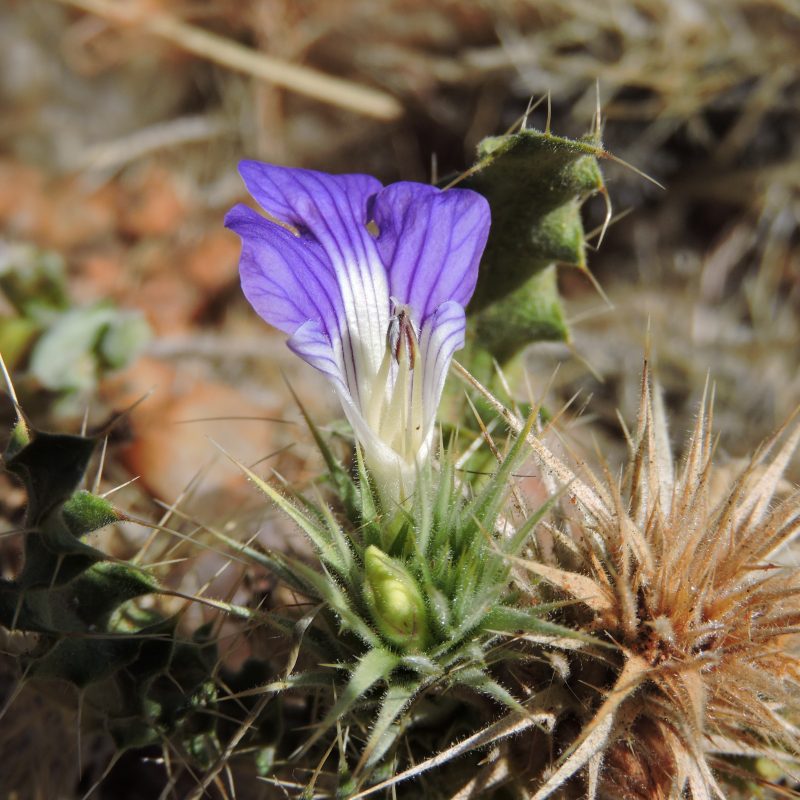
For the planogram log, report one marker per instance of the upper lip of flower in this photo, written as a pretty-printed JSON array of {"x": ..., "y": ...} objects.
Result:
[{"x": 380, "y": 313}]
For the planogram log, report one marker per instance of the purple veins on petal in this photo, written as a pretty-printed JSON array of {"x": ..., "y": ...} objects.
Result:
[
  {"x": 431, "y": 243},
  {"x": 380, "y": 316},
  {"x": 286, "y": 280}
]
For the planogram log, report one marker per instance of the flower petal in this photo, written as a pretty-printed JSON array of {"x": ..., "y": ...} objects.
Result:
[
  {"x": 287, "y": 280},
  {"x": 313, "y": 345},
  {"x": 330, "y": 212},
  {"x": 441, "y": 335},
  {"x": 431, "y": 242}
]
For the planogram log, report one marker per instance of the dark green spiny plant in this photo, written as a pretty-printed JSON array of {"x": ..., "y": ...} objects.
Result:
[{"x": 126, "y": 667}]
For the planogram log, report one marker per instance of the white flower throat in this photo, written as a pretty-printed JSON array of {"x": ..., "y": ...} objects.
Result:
[{"x": 395, "y": 410}]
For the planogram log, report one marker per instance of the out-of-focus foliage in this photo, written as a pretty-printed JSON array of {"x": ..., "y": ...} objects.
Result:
[{"x": 66, "y": 348}]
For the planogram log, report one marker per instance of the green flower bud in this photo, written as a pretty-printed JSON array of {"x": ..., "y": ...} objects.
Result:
[{"x": 395, "y": 600}]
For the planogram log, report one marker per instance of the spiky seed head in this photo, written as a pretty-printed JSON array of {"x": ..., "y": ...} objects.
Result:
[{"x": 695, "y": 587}]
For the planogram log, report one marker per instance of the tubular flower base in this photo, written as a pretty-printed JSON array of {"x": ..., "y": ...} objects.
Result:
[{"x": 370, "y": 283}]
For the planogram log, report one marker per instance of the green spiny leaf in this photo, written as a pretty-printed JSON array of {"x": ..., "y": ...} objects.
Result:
[
  {"x": 535, "y": 184},
  {"x": 85, "y": 512},
  {"x": 530, "y": 313},
  {"x": 51, "y": 466},
  {"x": 374, "y": 666},
  {"x": 384, "y": 733}
]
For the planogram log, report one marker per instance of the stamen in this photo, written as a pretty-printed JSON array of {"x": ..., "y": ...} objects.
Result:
[
  {"x": 401, "y": 338},
  {"x": 395, "y": 407}
]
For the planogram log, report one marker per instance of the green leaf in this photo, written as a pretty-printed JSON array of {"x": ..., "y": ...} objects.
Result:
[
  {"x": 503, "y": 619},
  {"x": 531, "y": 313},
  {"x": 341, "y": 479},
  {"x": 33, "y": 281},
  {"x": 85, "y": 512},
  {"x": 477, "y": 679},
  {"x": 83, "y": 661},
  {"x": 535, "y": 184},
  {"x": 16, "y": 337},
  {"x": 51, "y": 466},
  {"x": 20, "y": 438},
  {"x": 384, "y": 733},
  {"x": 368, "y": 512},
  {"x": 376, "y": 665},
  {"x": 488, "y": 504},
  {"x": 123, "y": 339},
  {"x": 107, "y": 585},
  {"x": 63, "y": 358},
  {"x": 332, "y": 548}
]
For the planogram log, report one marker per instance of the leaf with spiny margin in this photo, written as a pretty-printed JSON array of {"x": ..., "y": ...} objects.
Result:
[
  {"x": 85, "y": 601},
  {"x": 107, "y": 585},
  {"x": 19, "y": 439},
  {"x": 384, "y": 731},
  {"x": 87, "y": 659},
  {"x": 85, "y": 512},
  {"x": 535, "y": 184},
  {"x": 53, "y": 559},
  {"x": 374, "y": 666},
  {"x": 51, "y": 466}
]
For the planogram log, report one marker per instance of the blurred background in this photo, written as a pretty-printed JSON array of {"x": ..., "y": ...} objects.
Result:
[{"x": 122, "y": 123}]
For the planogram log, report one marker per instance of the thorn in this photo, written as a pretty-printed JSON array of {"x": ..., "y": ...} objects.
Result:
[
  {"x": 598, "y": 288},
  {"x": 96, "y": 485},
  {"x": 598, "y": 119},
  {"x": 611, "y": 157},
  {"x": 115, "y": 420},
  {"x": 111, "y": 764},
  {"x": 272, "y": 454},
  {"x": 21, "y": 418},
  {"x": 9, "y": 384},
  {"x": 609, "y": 212},
  {"x": 277, "y": 420},
  {"x": 116, "y": 488},
  {"x": 613, "y": 221},
  {"x": 585, "y": 361},
  {"x": 524, "y": 124},
  {"x": 549, "y": 113},
  {"x": 85, "y": 422},
  {"x": 517, "y": 123}
]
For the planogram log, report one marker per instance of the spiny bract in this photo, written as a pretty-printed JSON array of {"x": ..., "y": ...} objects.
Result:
[{"x": 688, "y": 572}]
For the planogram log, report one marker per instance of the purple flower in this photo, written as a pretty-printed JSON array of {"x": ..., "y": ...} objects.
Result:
[{"x": 370, "y": 283}]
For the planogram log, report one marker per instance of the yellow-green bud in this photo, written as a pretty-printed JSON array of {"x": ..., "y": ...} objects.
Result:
[{"x": 395, "y": 600}]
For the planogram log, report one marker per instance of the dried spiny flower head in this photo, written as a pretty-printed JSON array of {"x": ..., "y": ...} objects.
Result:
[{"x": 695, "y": 586}]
